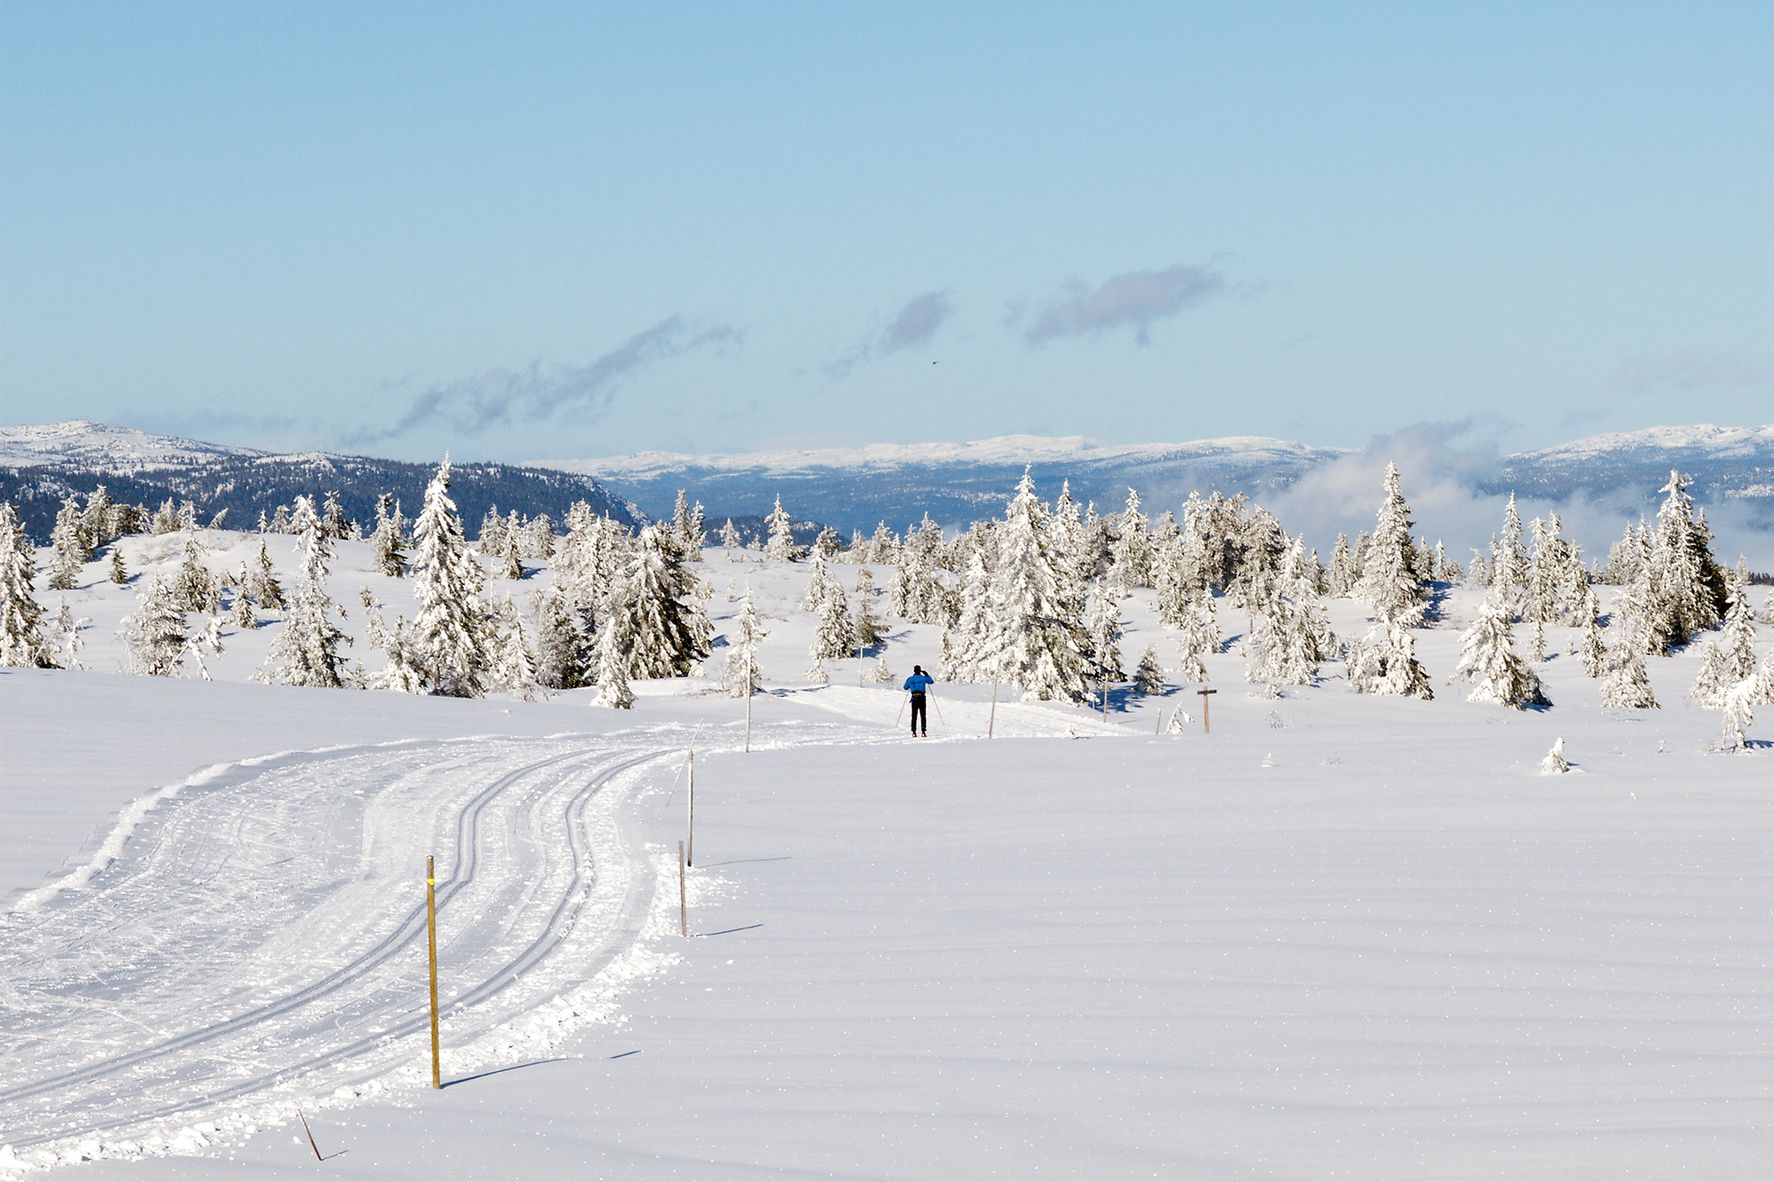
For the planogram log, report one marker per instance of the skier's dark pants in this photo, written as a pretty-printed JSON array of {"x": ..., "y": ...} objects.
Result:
[{"x": 920, "y": 715}]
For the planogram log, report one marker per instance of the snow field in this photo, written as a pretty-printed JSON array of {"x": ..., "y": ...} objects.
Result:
[{"x": 1341, "y": 936}]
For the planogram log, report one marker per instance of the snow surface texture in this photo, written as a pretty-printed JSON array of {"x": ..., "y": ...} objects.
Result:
[{"x": 1338, "y": 936}]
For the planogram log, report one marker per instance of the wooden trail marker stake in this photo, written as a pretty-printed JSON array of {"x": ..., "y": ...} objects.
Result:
[
  {"x": 992, "y": 718},
  {"x": 748, "y": 716},
  {"x": 310, "y": 1133},
  {"x": 690, "y": 850},
  {"x": 1204, "y": 693},
  {"x": 683, "y": 902},
  {"x": 431, "y": 930}
]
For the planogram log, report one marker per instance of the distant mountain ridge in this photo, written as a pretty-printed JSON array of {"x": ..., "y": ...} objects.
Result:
[
  {"x": 42, "y": 464},
  {"x": 855, "y": 487},
  {"x": 849, "y": 488}
]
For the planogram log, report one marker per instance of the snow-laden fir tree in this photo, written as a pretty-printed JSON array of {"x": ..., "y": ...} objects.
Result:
[
  {"x": 193, "y": 587},
  {"x": 1392, "y": 582},
  {"x": 68, "y": 550},
  {"x": 687, "y": 528},
  {"x": 1732, "y": 657},
  {"x": 972, "y": 646},
  {"x": 1555, "y": 764},
  {"x": 99, "y": 521},
  {"x": 667, "y": 632},
  {"x": 22, "y": 644},
  {"x": 615, "y": 653},
  {"x": 1509, "y": 562},
  {"x": 398, "y": 673},
  {"x": 1148, "y": 675},
  {"x": 866, "y": 626},
  {"x": 244, "y": 617},
  {"x": 451, "y": 636},
  {"x": 1625, "y": 684},
  {"x": 538, "y": 538},
  {"x": 918, "y": 593},
  {"x": 306, "y": 649},
  {"x": 828, "y": 543},
  {"x": 155, "y": 634},
  {"x": 1489, "y": 663},
  {"x": 1103, "y": 633},
  {"x": 564, "y": 654},
  {"x": 834, "y": 635},
  {"x": 730, "y": 540},
  {"x": 388, "y": 547},
  {"x": 266, "y": 589},
  {"x": 514, "y": 669},
  {"x": 1590, "y": 648},
  {"x": 741, "y": 674},
  {"x": 1042, "y": 653},
  {"x": 118, "y": 574},
  {"x": 781, "y": 545},
  {"x": 1385, "y": 663},
  {"x": 1686, "y": 587},
  {"x": 1198, "y": 636},
  {"x": 490, "y": 542},
  {"x": 511, "y": 564},
  {"x": 1342, "y": 576},
  {"x": 881, "y": 674},
  {"x": 69, "y": 645},
  {"x": 1130, "y": 554}
]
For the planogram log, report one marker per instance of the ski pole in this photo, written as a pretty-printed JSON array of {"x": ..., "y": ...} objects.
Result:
[
  {"x": 901, "y": 713},
  {"x": 939, "y": 717}
]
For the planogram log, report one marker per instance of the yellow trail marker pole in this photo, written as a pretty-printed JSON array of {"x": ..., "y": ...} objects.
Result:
[{"x": 431, "y": 927}]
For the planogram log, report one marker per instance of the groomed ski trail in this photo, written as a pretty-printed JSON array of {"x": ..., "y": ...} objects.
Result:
[{"x": 260, "y": 936}]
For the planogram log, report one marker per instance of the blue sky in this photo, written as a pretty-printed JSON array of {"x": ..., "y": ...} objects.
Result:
[{"x": 533, "y": 231}]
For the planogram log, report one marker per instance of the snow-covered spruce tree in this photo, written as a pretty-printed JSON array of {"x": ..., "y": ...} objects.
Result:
[
  {"x": 514, "y": 669},
  {"x": 866, "y": 627},
  {"x": 1730, "y": 659},
  {"x": 451, "y": 636},
  {"x": 21, "y": 617},
  {"x": 781, "y": 546},
  {"x": 266, "y": 591},
  {"x": 117, "y": 573},
  {"x": 538, "y": 539},
  {"x": 666, "y": 630},
  {"x": 687, "y": 528},
  {"x": 834, "y": 635},
  {"x": 1103, "y": 632},
  {"x": 155, "y": 633},
  {"x": 741, "y": 675},
  {"x": 490, "y": 541},
  {"x": 1385, "y": 663},
  {"x": 1555, "y": 763},
  {"x": 388, "y": 544},
  {"x": 100, "y": 519},
  {"x": 68, "y": 550},
  {"x": 1625, "y": 684},
  {"x": 398, "y": 673},
  {"x": 511, "y": 563},
  {"x": 615, "y": 657},
  {"x": 828, "y": 543},
  {"x": 193, "y": 587},
  {"x": 564, "y": 654},
  {"x": 1200, "y": 635},
  {"x": 1130, "y": 554},
  {"x": 918, "y": 594},
  {"x": 1687, "y": 587},
  {"x": 1478, "y": 571},
  {"x": 730, "y": 540},
  {"x": 69, "y": 644},
  {"x": 971, "y": 645},
  {"x": 1590, "y": 648},
  {"x": 1042, "y": 653},
  {"x": 881, "y": 673},
  {"x": 306, "y": 650},
  {"x": 1148, "y": 675},
  {"x": 244, "y": 617},
  {"x": 1392, "y": 582},
  {"x": 1489, "y": 663},
  {"x": 1509, "y": 563},
  {"x": 1342, "y": 575}
]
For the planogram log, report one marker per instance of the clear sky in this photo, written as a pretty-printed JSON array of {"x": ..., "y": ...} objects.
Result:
[{"x": 531, "y": 230}]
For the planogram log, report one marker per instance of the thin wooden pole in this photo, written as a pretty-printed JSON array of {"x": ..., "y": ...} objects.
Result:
[
  {"x": 992, "y": 718},
  {"x": 310, "y": 1133},
  {"x": 748, "y": 716},
  {"x": 1205, "y": 729},
  {"x": 431, "y": 930},
  {"x": 690, "y": 850},
  {"x": 683, "y": 898}
]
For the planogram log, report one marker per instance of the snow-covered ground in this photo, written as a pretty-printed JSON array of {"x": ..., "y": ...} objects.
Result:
[{"x": 1337, "y": 936}]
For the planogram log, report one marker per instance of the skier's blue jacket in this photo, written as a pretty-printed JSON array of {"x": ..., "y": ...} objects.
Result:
[{"x": 919, "y": 682}]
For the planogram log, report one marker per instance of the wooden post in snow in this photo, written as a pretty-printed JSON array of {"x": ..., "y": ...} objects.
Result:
[
  {"x": 690, "y": 850},
  {"x": 1204, "y": 727},
  {"x": 683, "y": 898},
  {"x": 992, "y": 718},
  {"x": 748, "y": 692},
  {"x": 431, "y": 931}
]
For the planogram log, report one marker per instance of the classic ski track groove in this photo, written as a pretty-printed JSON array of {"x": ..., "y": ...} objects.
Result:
[{"x": 408, "y": 932}]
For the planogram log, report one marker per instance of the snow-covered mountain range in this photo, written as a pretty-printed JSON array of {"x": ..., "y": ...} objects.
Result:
[
  {"x": 853, "y": 488},
  {"x": 42, "y": 464}
]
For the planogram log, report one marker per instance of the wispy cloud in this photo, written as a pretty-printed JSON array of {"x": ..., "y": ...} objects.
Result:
[
  {"x": 1687, "y": 371},
  {"x": 502, "y": 396},
  {"x": 1134, "y": 299},
  {"x": 916, "y": 324}
]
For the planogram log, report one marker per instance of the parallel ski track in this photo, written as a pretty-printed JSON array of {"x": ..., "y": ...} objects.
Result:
[{"x": 412, "y": 926}]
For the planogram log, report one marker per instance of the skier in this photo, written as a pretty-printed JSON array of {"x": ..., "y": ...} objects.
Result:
[{"x": 916, "y": 684}]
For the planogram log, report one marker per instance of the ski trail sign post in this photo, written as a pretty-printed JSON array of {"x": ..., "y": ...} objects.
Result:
[{"x": 1205, "y": 729}]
